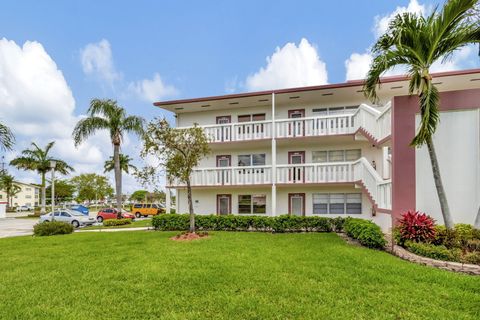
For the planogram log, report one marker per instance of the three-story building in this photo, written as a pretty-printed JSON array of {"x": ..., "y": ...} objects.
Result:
[{"x": 323, "y": 150}]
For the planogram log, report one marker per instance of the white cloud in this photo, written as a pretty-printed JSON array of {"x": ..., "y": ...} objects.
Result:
[
  {"x": 358, "y": 65},
  {"x": 152, "y": 90},
  {"x": 37, "y": 104},
  {"x": 290, "y": 66},
  {"x": 382, "y": 22},
  {"x": 97, "y": 60}
]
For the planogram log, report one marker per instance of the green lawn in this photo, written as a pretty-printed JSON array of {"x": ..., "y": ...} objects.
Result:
[
  {"x": 144, "y": 275},
  {"x": 135, "y": 224}
]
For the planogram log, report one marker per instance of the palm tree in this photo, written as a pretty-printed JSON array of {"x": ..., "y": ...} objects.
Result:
[
  {"x": 125, "y": 164},
  {"x": 38, "y": 159},
  {"x": 7, "y": 139},
  {"x": 7, "y": 183},
  {"x": 107, "y": 115},
  {"x": 416, "y": 42}
]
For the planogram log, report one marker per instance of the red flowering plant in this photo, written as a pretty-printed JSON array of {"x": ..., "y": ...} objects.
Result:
[{"x": 416, "y": 226}]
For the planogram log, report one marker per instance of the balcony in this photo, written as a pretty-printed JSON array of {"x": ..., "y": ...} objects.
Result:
[
  {"x": 243, "y": 131},
  {"x": 373, "y": 124},
  {"x": 358, "y": 172},
  {"x": 230, "y": 176}
]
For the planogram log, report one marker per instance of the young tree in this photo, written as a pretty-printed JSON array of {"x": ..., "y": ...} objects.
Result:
[
  {"x": 7, "y": 139},
  {"x": 125, "y": 164},
  {"x": 178, "y": 151},
  {"x": 7, "y": 183},
  {"x": 139, "y": 195},
  {"x": 417, "y": 42},
  {"x": 107, "y": 115},
  {"x": 38, "y": 159}
]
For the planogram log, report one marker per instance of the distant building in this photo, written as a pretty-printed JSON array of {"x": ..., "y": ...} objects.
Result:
[{"x": 29, "y": 195}]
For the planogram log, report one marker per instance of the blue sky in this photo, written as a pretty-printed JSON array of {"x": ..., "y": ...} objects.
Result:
[{"x": 139, "y": 51}]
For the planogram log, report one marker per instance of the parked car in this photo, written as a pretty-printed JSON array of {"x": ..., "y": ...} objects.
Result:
[
  {"x": 147, "y": 209},
  {"x": 80, "y": 208},
  {"x": 76, "y": 218},
  {"x": 111, "y": 213},
  {"x": 24, "y": 208}
]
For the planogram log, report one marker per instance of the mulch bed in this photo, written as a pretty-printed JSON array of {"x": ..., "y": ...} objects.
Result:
[{"x": 189, "y": 236}]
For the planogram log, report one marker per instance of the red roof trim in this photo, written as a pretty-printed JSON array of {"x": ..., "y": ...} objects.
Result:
[{"x": 347, "y": 84}]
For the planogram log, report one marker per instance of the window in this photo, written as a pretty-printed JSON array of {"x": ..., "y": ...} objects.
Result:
[
  {"x": 336, "y": 155},
  {"x": 244, "y": 204},
  {"x": 334, "y": 110},
  {"x": 251, "y": 117},
  {"x": 320, "y": 203},
  {"x": 64, "y": 214},
  {"x": 137, "y": 206},
  {"x": 148, "y": 206},
  {"x": 28, "y": 196},
  {"x": 256, "y": 204},
  {"x": 337, "y": 203},
  {"x": 354, "y": 203},
  {"x": 251, "y": 160},
  {"x": 28, "y": 189}
]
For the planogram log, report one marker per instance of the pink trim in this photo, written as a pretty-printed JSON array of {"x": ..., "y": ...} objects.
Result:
[
  {"x": 355, "y": 83},
  {"x": 404, "y": 109}
]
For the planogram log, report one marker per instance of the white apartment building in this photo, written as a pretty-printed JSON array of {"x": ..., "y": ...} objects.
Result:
[
  {"x": 327, "y": 151},
  {"x": 29, "y": 195}
]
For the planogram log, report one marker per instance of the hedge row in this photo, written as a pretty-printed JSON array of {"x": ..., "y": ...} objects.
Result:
[
  {"x": 366, "y": 232},
  {"x": 432, "y": 251},
  {"x": 116, "y": 222},
  {"x": 52, "y": 228},
  {"x": 284, "y": 223}
]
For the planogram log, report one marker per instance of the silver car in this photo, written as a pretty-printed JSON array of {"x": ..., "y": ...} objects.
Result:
[{"x": 76, "y": 218}]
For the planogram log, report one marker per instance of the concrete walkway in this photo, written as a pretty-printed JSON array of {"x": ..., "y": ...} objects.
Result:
[
  {"x": 117, "y": 229},
  {"x": 11, "y": 227}
]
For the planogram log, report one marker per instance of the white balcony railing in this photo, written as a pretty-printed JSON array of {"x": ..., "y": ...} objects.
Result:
[
  {"x": 230, "y": 176},
  {"x": 242, "y": 131},
  {"x": 315, "y": 173},
  {"x": 359, "y": 171},
  {"x": 377, "y": 124}
]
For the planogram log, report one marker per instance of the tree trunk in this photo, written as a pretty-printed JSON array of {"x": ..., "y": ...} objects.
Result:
[
  {"x": 190, "y": 207},
  {"x": 44, "y": 195},
  {"x": 442, "y": 197},
  {"x": 118, "y": 178},
  {"x": 476, "y": 225}
]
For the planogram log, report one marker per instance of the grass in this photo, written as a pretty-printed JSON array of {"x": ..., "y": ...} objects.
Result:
[
  {"x": 135, "y": 224},
  {"x": 144, "y": 275}
]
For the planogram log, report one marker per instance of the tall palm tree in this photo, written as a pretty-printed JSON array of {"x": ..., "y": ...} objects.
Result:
[
  {"x": 38, "y": 159},
  {"x": 7, "y": 139},
  {"x": 7, "y": 183},
  {"x": 105, "y": 114},
  {"x": 416, "y": 42},
  {"x": 125, "y": 164}
]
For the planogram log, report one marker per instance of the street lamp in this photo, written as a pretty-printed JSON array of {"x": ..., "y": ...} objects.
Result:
[{"x": 53, "y": 163}]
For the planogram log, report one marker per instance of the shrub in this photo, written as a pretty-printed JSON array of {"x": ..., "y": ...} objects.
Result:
[
  {"x": 52, "y": 228},
  {"x": 471, "y": 257},
  {"x": 473, "y": 245},
  {"x": 337, "y": 224},
  {"x": 116, "y": 222},
  {"x": 431, "y": 251},
  {"x": 283, "y": 223},
  {"x": 446, "y": 237},
  {"x": 464, "y": 232},
  {"x": 417, "y": 227},
  {"x": 366, "y": 232}
]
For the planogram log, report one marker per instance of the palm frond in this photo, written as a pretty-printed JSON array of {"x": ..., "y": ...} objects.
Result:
[
  {"x": 7, "y": 139},
  {"x": 87, "y": 127}
]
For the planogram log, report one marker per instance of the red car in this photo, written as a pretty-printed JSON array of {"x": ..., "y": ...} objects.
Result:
[{"x": 111, "y": 213}]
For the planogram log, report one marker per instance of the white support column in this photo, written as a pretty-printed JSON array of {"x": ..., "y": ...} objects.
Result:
[
  {"x": 274, "y": 159},
  {"x": 167, "y": 200}
]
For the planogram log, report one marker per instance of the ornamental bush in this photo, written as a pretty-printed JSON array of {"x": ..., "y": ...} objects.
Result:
[
  {"x": 366, "y": 232},
  {"x": 52, "y": 228},
  {"x": 416, "y": 226},
  {"x": 116, "y": 222},
  {"x": 432, "y": 251},
  {"x": 283, "y": 223}
]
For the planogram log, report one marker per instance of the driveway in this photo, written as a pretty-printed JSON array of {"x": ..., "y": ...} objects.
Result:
[{"x": 11, "y": 227}]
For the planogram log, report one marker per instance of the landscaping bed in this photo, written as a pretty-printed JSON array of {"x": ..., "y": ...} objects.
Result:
[{"x": 232, "y": 275}]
